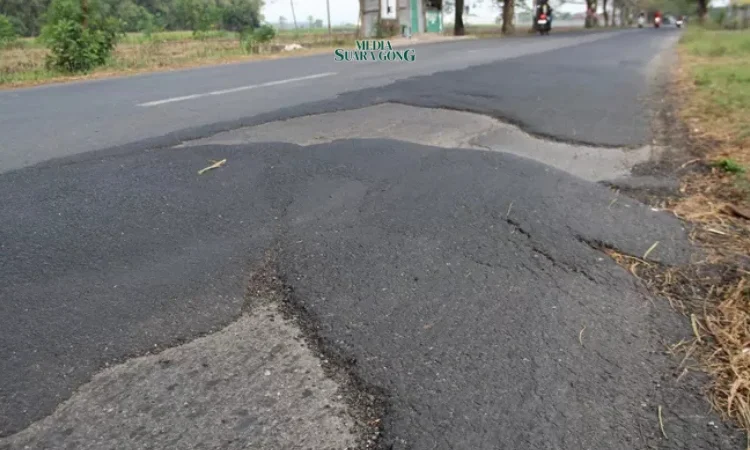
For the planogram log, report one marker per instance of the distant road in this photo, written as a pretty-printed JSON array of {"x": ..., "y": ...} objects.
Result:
[{"x": 42, "y": 123}]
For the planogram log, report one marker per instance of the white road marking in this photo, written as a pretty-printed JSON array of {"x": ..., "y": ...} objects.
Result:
[{"x": 233, "y": 90}]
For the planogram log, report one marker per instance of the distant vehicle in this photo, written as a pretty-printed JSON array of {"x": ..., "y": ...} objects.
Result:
[
  {"x": 679, "y": 22},
  {"x": 543, "y": 24},
  {"x": 543, "y": 19}
]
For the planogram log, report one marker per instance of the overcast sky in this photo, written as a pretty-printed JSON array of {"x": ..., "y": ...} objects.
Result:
[{"x": 342, "y": 11}]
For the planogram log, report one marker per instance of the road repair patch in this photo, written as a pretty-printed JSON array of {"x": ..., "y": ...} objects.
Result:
[
  {"x": 254, "y": 384},
  {"x": 440, "y": 128}
]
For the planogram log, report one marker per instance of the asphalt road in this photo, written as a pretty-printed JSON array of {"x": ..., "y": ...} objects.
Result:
[
  {"x": 46, "y": 122},
  {"x": 467, "y": 286}
]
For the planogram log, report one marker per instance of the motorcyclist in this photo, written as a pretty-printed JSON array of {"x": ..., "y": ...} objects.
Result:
[{"x": 543, "y": 7}]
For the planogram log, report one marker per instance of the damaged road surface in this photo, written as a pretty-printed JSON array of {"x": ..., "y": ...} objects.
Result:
[
  {"x": 441, "y": 284},
  {"x": 466, "y": 285}
]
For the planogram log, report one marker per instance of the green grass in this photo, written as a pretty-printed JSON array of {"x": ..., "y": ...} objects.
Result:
[
  {"x": 729, "y": 165},
  {"x": 716, "y": 43},
  {"x": 721, "y": 67}
]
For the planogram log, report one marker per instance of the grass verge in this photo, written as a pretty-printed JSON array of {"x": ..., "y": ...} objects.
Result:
[
  {"x": 23, "y": 63},
  {"x": 712, "y": 87}
]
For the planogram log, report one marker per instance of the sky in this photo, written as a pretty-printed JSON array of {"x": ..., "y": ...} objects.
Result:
[{"x": 342, "y": 11}]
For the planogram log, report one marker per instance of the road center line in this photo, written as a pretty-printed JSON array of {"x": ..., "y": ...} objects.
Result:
[{"x": 237, "y": 89}]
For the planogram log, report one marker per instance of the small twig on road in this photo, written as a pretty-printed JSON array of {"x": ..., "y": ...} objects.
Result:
[
  {"x": 690, "y": 162},
  {"x": 684, "y": 372},
  {"x": 661, "y": 423},
  {"x": 694, "y": 323},
  {"x": 651, "y": 249},
  {"x": 215, "y": 165},
  {"x": 617, "y": 195},
  {"x": 509, "y": 208},
  {"x": 580, "y": 335}
]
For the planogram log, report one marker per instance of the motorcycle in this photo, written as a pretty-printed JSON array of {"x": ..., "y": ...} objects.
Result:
[
  {"x": 678, "y": 23},
  {"x": 657, "y": 22},
  {"x": 543, "y": 24},
  {"x": 641, "y": 22}
]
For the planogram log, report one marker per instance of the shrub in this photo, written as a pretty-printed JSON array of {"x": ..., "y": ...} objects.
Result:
[
  {"x": 386, "y": 28},
  {"x": 251, "y": 39},
  {"x": 266, "y": 33},
  {"x": 7, "y": 30},
  {"x": 73, "y": 46}
]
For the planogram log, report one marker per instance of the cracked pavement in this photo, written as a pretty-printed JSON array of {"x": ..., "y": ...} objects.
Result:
[{"x": 465, "y": 287}]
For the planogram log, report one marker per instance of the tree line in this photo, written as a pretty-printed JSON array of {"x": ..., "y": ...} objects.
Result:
[
  {"x": 29, "y": 16},
  {"x": 625, "y": 8}
]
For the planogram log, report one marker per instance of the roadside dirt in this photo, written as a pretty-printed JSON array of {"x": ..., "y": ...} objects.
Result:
[{"x": 713, "y": 292}]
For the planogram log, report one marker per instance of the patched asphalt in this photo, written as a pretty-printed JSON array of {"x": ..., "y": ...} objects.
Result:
[
  {"x": 459, "y": 281},
  {"x": 468, "y": 286}
]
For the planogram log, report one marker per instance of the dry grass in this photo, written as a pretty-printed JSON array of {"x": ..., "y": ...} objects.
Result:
[
  {"x": 24, "y": 65},
  {"x": 713, "y": 83}
]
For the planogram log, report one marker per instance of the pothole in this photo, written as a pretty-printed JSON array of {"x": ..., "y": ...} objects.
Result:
[{"x": 440, "y": 128}]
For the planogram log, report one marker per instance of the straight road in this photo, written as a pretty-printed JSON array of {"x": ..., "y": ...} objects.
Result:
[
  {"x": 467, "y": 289},
  {"x": 49, "y": 122}
]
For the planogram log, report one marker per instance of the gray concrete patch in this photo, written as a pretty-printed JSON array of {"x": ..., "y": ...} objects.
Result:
[
  {"x": 437, "y": 127},
  {"x": 441, "y": 128},
  {"x": 253, "y": 385}
]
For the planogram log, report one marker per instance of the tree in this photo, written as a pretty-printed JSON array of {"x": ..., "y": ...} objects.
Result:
[
  {"x": 238, "y": 15},
  {"x": 282, "y": 22},
  {"x": 80, "y": 34},
  {"x": 506, "y": 7},
  {"x": 592, "y": 19},
  {"x": 508, "y": 13},
  {"x": 458, "y": 27},
  {"x": 25, "y": 15},
  {"x": 702, "y": 10},
  {"x": 361, "y": 19},
  {"x": 7, "y": 30},
  {"x": 310, "y": 22},
  {"x": 196, "y": 15},
  {"x": 606, "y": 13},
  {"x": 133, "y": 17},
  {"x": 319, "y": 23}
]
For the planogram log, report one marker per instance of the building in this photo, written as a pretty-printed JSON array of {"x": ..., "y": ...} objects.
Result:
[{"x": 407, "y": 16}]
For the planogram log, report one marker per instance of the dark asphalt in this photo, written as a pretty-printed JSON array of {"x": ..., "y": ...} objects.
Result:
[{"x": 459, "y": 281}]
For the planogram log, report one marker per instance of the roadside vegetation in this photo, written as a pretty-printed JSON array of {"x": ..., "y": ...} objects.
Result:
[
  {"x": 715, "y": 85},
  {"x": 56, "y": 40},
  {"x": 712, "y": 92}
]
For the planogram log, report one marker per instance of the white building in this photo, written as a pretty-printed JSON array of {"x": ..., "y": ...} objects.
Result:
[{"x": 412, "y": 16}]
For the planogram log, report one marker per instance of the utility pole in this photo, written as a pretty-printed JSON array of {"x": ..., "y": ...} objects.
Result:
[
  {"x": 328, "y": 10},
  {"x": 294, "y": 16}
]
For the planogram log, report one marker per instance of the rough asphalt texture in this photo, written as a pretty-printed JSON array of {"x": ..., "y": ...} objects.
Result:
[
  {"x": 465, "y": 284},
  {"x": 469, "y": 316},
  {"x": 265, "y": 390}
]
